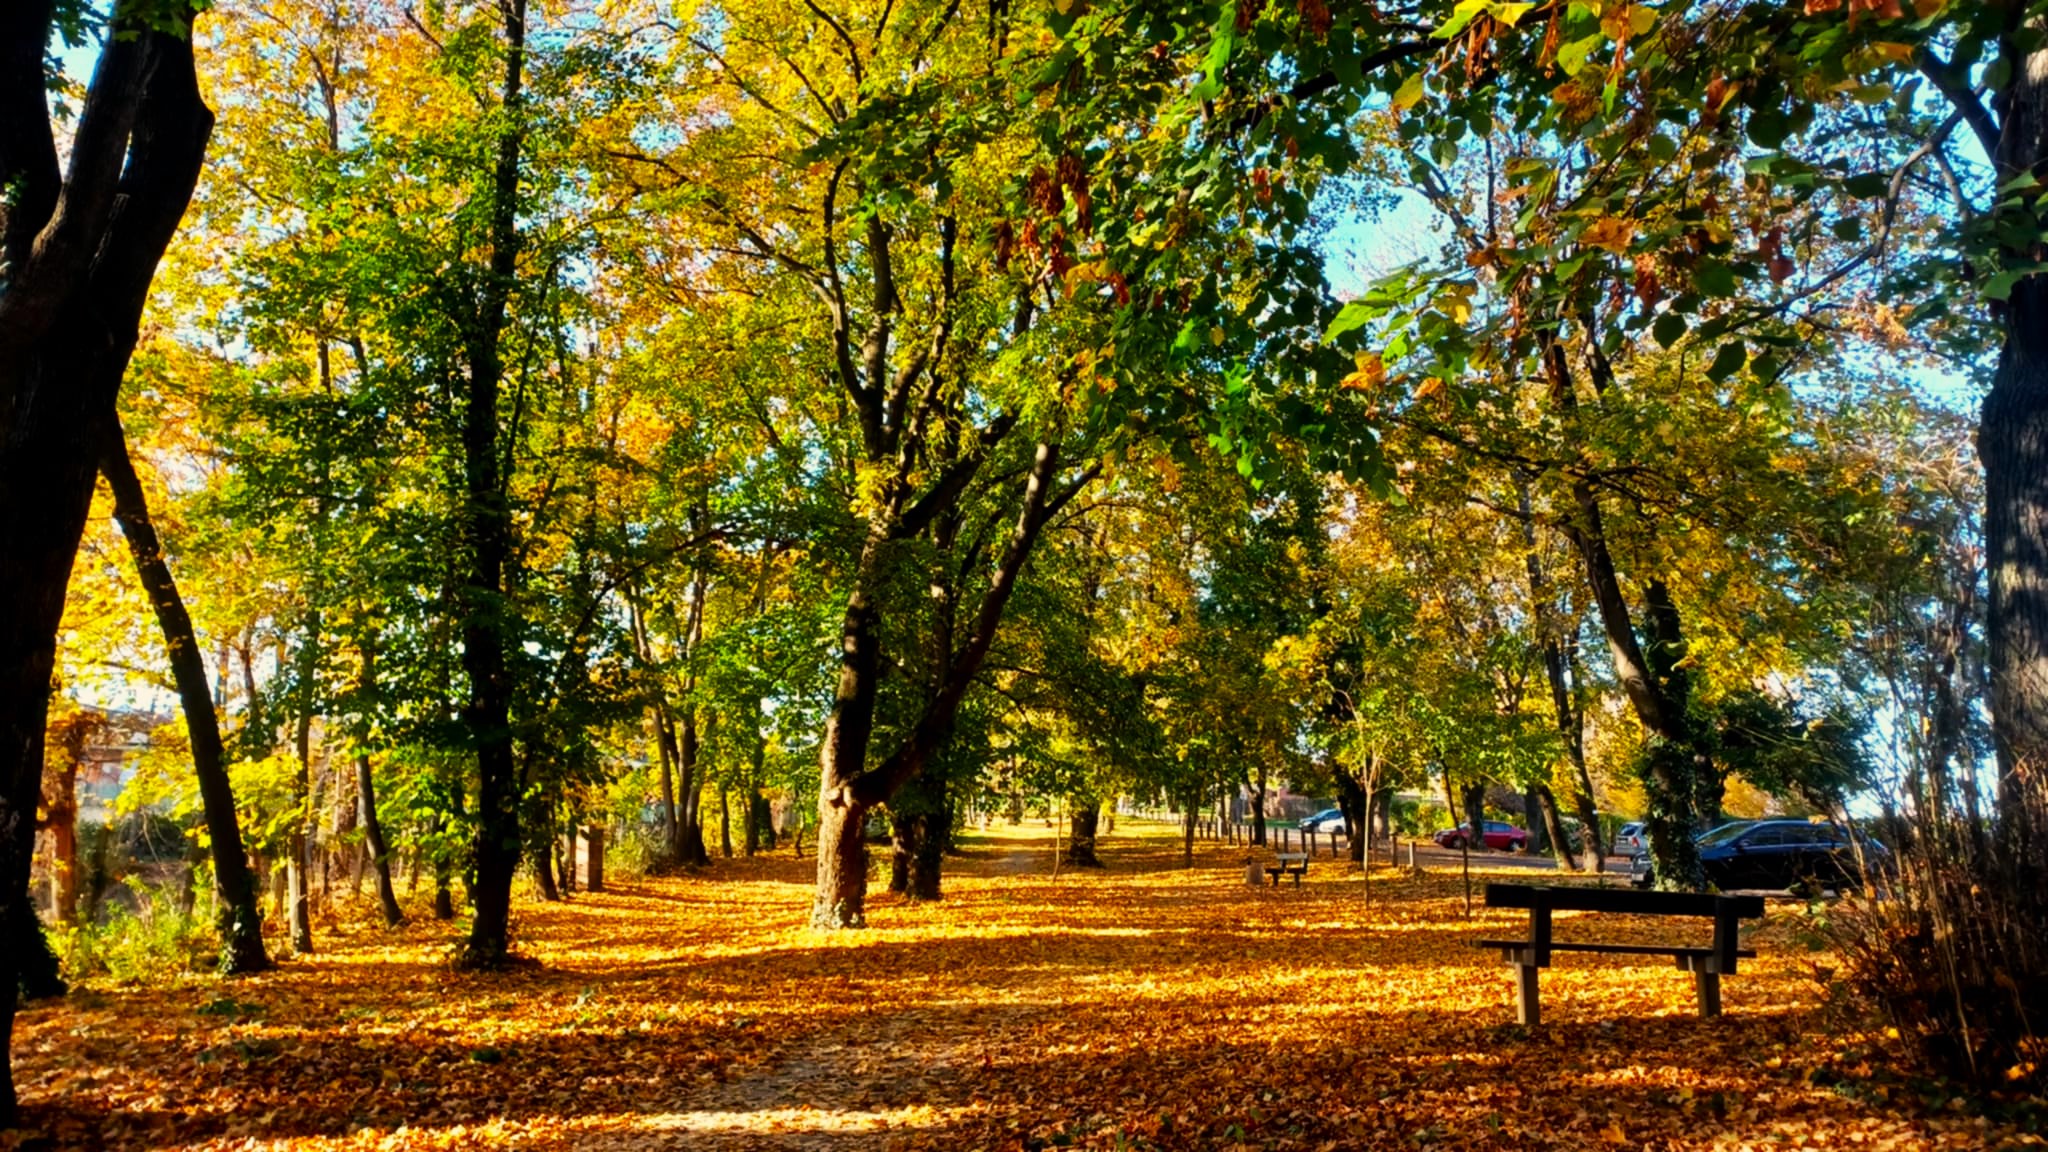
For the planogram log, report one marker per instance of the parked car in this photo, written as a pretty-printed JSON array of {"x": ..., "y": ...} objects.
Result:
[
  {"x": 1777, "y": 854},
  {"x": 1498, "y": 836},
  {"x": 1633, "y": 839},
  {"x": 1326, "y": 821}
]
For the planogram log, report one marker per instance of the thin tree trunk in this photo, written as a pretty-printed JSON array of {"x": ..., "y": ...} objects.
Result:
[
  {"x": 1560, "y": 845},
  {"x": 241, "y": 921},
  {"x": 298, "y": 861},
  {"x": 373, "y": 839},
  {"x": 487, "y": 532},
  {"x": 1259, "y": 808},
  {"x": 543, "y": 854},
  {"x": 724, "y": 822},
  {"x": 690, "y": 847}
]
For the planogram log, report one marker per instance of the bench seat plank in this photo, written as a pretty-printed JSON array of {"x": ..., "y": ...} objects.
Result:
[{"x": 1616, "y": 949}]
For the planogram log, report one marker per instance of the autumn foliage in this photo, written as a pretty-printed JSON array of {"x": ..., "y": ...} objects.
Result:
[{"x": 1146, "y": 1006}]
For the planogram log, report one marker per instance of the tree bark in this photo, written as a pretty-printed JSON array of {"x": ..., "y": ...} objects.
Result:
[
  {"x": 1557, "y": 640},
  {"x": 241, "y": 919},
  {"x": 1671, "y": 753},
  {"x": 1558, "y": 843},
  {"x": 1474, "y": 797},
  {"x": 545, "y": 845},
  {"x": 848, "y": 789},
  {"x": 60, "y": 803},
  {"x": 1357, "y": 809},
  {"x": 2012, "y": 444},
  {"x": 81, "y": 245},
  {"x": 299, "y": 901},
  {"x": 1259, "y": 808},
  {"x": 724, "y": 822},
  {"x": 486, "y": 531},
  {"x": 373, "y": 839},
  {"x": 1082, "y": 824}
]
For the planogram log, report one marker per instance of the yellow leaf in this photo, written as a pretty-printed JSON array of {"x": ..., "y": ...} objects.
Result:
[
  {"x": 1614, "y": 233},
  {"x": 1409, "y": 94}
]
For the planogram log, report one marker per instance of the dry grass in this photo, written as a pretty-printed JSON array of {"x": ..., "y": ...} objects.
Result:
[{"x": 1143, "y": 1006}]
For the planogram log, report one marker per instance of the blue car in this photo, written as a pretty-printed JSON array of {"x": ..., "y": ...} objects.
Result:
[{"x": 1328, "y": 820}]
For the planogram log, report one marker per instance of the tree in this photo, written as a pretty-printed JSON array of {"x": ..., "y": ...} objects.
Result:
[
  {"x": 81, "y": 242},
  {"x": 240, "y": 920}
]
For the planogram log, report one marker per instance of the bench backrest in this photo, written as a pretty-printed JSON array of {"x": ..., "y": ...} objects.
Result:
[
  {"x": 1575, "y": 899},
  {"x": 1293, "y": 857},
  {"x": 1542, "y": 900}
]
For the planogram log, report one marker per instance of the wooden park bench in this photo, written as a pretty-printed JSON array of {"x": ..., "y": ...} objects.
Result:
[
  {"x": 1533, "y": 954},
  {"x": 1293, "y": 864}
]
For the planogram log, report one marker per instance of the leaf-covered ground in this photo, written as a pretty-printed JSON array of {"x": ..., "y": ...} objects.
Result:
[{"x": 1145, "y": 1006}]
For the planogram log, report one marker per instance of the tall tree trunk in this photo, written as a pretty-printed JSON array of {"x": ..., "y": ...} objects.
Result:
[
  {"x": 2012, "y": 444},
  {"x": 672, "y": 816},
  {"x": 298, "y": 859},
  {"x": 1474, "y": 796},
  {"x": 917, "y": 816},
  {"x": 841, "y": 899},
  {"x": 486, "y": 531},
  {"x": 543, "y": 854},
  {"x": 81, "y": 243},
  {"x": 1559, "y": 842},
  {"x": 373, "y": 839},
  {"x": 724, "y": 822},
  {"x": 1672, "y": 755},
  {"x": 241, "y": 920},
  {"x": 665, "y": 745},
  {"x": 1353, "y": 802},
  {"x": 847, "y": 787},
  {"x": 690, "y": 840},
  {"x": 1558, "y": 638},
  {"x": 1082, "y": 824}
]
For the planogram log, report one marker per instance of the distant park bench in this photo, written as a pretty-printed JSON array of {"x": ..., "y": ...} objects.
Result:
[
  {"x": 1706, "y": 964},
  {"x": 1293, "y": 864}
]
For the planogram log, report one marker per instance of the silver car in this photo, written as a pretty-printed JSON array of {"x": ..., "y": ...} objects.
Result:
[{"x": 1630, "y": 841}]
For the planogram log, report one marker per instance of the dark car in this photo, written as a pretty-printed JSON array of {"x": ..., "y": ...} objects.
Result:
[
  {"x": 1778, "y": 854},
  {"x": 1498, "y": 836}
]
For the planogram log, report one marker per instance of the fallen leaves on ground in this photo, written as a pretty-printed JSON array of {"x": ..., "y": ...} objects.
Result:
[{"x": 1144, "y": 1006}]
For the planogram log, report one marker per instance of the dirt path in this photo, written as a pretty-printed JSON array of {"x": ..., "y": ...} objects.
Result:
[{"x": 845, "y": 1090}]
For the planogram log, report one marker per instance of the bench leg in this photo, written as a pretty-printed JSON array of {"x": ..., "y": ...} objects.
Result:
[
  {"x": 1709, "y": 984},
  {"x": 1527, "y": 1005}
]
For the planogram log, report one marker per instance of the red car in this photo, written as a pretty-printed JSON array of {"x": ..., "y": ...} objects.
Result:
[{"x": 1499, "y": 837}]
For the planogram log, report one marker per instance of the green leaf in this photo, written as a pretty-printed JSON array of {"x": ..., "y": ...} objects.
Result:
[
  {"x": 1714, "y": 278},
  {"x": 1572, "y": 57},
  {"x": 1668, "y": 328},
  {"x": 2000, "y": 286},
  {"x": 1727, "y": 361},
  {"x": 1354, "y": 315},
  {"x": 1867, "y": 185}
]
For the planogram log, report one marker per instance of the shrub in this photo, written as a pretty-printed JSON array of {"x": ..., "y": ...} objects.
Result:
[
  {"x": 159, "y": 940},
  {"x": 1954, "y": 948}
]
